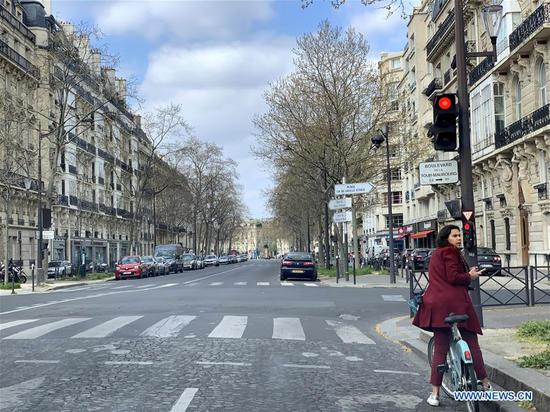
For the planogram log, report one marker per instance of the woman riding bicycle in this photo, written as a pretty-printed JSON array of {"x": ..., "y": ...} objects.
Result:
[{"x": 447, "y": 293}]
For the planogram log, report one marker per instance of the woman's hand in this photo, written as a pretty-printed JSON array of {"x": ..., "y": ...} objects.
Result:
[{"x": 474, "y": 273}]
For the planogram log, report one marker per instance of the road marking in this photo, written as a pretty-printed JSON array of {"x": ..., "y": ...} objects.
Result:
[
  {"x": 168, "y": 327},
  {"x": 216, "y": 284},
  {"x": 350, "y": 334},
  {"x": 123, "y": 287},
  {"x": 393, "y": 298},
  {"x": 16, "y": 323},
  {"x": 311, "y": 284},
  {"x": 292, "y": 365},
  {"x": 262, "y": 283},
  {"x": 288, "y": 328},
  {"x": 38, "y": 331},
  {"x": 395, "y": 372},
  {"x": 184, "y": 400},
  {"x": 143, "y": 286},
  {"x": 287, "y": 284},
  {"x": 36, "y": 361},
  {"x": 207, "y": 363},
  {"x": 128, "y": 363},
  {"x": 168, "y": 285},
  {"x": 230, "y": 327},
  {"x": 106, "y": 328},
  {"x": 72, "y": 289},
  {"x": 240, "y": 283}
]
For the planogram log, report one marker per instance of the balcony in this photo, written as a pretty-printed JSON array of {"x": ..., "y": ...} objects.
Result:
[
  {"x": 21, "y": 222},
  {"x": 101, "y": 180},
  {"x": 529, "y": 26},
  {"x": 441, "y": 36},
  {"x": 481, "y": 70},
  {"x": 19, "y": 60},
  {"x": 62, "y": 200},
  {"x": 73, "y": 170},
  {"x": 90, "y": 148},
  {"x": 105, "y": 156},
  {"x": 16, "y": 24},
  {"x": 73, "y": 200},
  {"x": 434, "y": 85},
  {"x": 526, "y": 125},
  {"x": 447, "y": 76},
  {"x": 90, "y": 206}
]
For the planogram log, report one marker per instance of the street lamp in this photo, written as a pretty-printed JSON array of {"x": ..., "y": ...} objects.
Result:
[
  {"x": 377, "y": 141},
  {"x": 492, "y": 17}
]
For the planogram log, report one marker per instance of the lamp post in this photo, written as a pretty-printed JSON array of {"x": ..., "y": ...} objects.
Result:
[
  {"x": 492, "y": 17},
  {"x": 377, "y": 142}
]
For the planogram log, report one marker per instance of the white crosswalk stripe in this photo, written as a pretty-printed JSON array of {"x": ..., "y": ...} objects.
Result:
[
  {"x": 230, "y": 327},
  {"x": 168, "y": 327},
  {"x": 240, "y": 283},
  {"x": 16, "y": 323},
  {"x": 216, "y": 283},
  {"x": 349, "y": 333},
  {"x": 288, "y": 328},
  {"x": 123, "y": 287},
  {"x": 311, "y": 284},
  {"x": 39, "y": 331},
  {"x": 262, "y": 283},
  {"x": 106, "y": 328},
  {"x": 287, "y": 284},
  {"x": 143, "y": 286}
]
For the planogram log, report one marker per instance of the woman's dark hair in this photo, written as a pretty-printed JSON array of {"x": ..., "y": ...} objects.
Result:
[{"x": 442, "y": 239}]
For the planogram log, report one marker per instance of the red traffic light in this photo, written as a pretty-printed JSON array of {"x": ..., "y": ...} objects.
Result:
[
  {"x": 444, "y": 103},
  {"x": 466, "y": 226}
]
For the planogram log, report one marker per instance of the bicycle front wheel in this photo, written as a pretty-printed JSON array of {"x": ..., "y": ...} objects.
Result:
[
  {"x": 446, "y": 383},
  {"x": 469, "y": 383}
]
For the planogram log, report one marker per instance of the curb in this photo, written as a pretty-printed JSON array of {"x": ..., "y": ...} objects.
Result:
[
  {"x": 72, "y": 285},
  {"x": 503, "y": 374}
]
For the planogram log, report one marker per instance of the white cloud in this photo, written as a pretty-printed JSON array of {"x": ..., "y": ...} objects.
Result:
[
  {"x": 187, "y": 19},
  {"x": 376, "y": 25}
]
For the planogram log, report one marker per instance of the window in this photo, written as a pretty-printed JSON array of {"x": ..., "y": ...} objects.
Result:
[
  {"x": 502, "y": 200},
  {"x": 396, "y": 198},
  {"x": 63, "y": 188},
  {"x": 397, "y": 221},
  {"x": 396, "y": 64},
  {"x": 541, "y": 79},
  {"x": 498, "y": 93},
  {"x": 517, "y": 98},
  {"x": 476, "y": 118},
  {"x": 493, "y": 235},
  {"x": 486, "y": 116},
  {"x": 396, "y": 174},
  {"x": 543, "y": 170},
  {"x": 507, "y": 232}
]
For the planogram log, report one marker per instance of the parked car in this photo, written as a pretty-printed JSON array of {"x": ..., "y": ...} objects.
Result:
[
  {"x": 189, "y": 261},
  {"x": 298, "y": 265},
  {"x": 489, "y": 260},
  {"x": 418, "y": 259},
  {"x": 233, "y": 259},
  {"x": 129, "y": 267},
  {"x": 211, "y": 260},
  {"x": 223, "y": 260},
  {"x": 244, "y": 257},
  {"x": 199, "y": 262},
  {"x": 163, "y": 265},
  {"x": 173, "y": 253},
  {"x": 151, "y": 266},
  {"x": 59, "y": 268}
]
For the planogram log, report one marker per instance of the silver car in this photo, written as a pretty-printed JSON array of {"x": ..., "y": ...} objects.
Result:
[
  {"x": 211, "y": 260},
  {"x": 163, "y": 265},
  {"x": 59, "y": 268}
]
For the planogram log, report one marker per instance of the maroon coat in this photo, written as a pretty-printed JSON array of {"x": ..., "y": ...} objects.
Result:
[{"x": 447, "y": 292}]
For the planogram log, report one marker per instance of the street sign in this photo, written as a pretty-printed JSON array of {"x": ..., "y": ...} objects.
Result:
[
  {"x": 342, "y": 217},
  {"x": 468, "y": 214},
  {"x": 48, "y": 234},
  {"x": 438, "y": 173},
  {"x": 352, "y": 188},
  {"x": 344, "y": 203}
]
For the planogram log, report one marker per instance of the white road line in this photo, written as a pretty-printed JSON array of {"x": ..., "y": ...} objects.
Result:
[
  {"x": 209, "y": 276},
  {"x": 123, "y": 287},
  {"x": 168, "y": 285},
  {"x": 393, "y": 298},
  {"x": 231, "y": 327},
  {"x": 288, "y": 328},
  {"x": 292, "y": 365},
  {"x": 287, "y": 284},
  {"x": 38, "y": 331},
  {"x": 215, "y": 284},
  {"x": 106, "y": 328},
  {"x": 128, "y": 363},
  {"x": 207, "y": 363},
  {"x": 240, "y": 283},
  {"x": 143, "y": 286},
  {"x": 184, "y": 400},
  {"x": 16, "y": 323},
  {"x": 168, "y": 327},
  {"x": 36, "y": 361},
  {"x": 73, "y": 289},
  {"x": 349, "y": 333},
  {"x": 262, "y": 283},
  {"x": 396, "y": 372},
  {"x": 315, "y": 285}
]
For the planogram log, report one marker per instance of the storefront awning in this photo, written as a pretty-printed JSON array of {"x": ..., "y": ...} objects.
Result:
[{"x": 421, "y": 234}]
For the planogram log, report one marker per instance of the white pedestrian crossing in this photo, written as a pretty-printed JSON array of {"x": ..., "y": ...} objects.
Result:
[
  {"x": 287, "y": 284},
  {"x": 311, "y": 284},
  {"x": 16, "y": 323},
  {"x": 288, "y": 328},
  {"x": 393, "y": 298},
  {"x": 122, "y": 287},
  {"x": 230, "y": 327},
  {"x": 41, "y": 330},
  {"x": 168, "y": 327},
  {"x": 349, "y": 333},
  {"x": 240, "y": 283},
  {"x": 106, "y": 328},
  {"x": 216, "y": 283},
  {"x": 262, "y": 283}
]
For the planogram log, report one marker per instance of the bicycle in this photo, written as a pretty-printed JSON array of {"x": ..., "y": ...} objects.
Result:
[{"x": 458, "y": 371}]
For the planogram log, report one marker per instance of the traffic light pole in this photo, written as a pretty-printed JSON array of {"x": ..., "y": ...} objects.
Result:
[{"x": 465, "y": 150}]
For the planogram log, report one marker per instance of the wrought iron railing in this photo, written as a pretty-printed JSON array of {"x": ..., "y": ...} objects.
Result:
[
  {"x": 528, "y": 124},
  {"x": 63, "y": 200},
  {"x": 530, "y": 25},
  {"x": 19, "y": 60},
  {"x": 101, "y": 180},
  {"x": 73, "y": 200},
  {"x": 447, "y": 77},
  {"x": 73, "y": 170},
  {"x": 434, "y": 85},
  {"x": 481, "y": 69},
  {"x": 87, "y": 205},
  {"x": 540, "y": 285},
  {"x": 12, "y": 20},
  {"x": 440, "y": 33}
]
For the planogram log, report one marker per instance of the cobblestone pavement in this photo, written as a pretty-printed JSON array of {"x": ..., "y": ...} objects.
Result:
[{"x": 210, "y": 349}]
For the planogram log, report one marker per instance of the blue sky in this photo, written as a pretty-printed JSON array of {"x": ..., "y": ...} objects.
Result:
[{"x": 216, "y": 59}]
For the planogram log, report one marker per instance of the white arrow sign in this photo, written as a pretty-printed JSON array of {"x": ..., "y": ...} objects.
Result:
[
  {"x": 352, "y": 188},
  {"x": 339, "y": 203},
  {"x": 438, "y": 173},
  {"x": 341, "y": 217}
]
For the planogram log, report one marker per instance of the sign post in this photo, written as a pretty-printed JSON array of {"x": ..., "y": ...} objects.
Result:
[
  {"x": 344, "y": 203},
  {"x": 342, "y": 217},
  {"x": 438, "y": 173},
  {"x": 353, "y": 188}
]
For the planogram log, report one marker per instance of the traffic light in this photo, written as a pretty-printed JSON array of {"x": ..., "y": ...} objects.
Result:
[
  {"x": 469, "y": 230},
  {"x": 443, "y": 129}
]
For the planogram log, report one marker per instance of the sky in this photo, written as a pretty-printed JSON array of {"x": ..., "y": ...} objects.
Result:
[{"x": 217, "y": 57}]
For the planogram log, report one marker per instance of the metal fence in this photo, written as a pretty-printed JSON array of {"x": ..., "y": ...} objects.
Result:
[{"x": 540, "y": 285}]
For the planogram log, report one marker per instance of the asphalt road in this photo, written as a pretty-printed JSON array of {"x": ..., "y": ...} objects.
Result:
[{"x": 229, "y": 338}]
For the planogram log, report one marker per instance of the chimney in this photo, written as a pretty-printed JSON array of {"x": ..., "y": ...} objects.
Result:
[
  {"x": 137, "y": 121},
  {"x": 47, "y": 6},
  {"x": 95, "y": 62},
  {"x": 121, "y": 89},
  {"x": 68, "y": 28},
  {"x": 109, "y": 76}
]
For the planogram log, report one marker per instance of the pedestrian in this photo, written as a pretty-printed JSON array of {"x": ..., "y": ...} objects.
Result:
[{"x": 447, "y": 292}]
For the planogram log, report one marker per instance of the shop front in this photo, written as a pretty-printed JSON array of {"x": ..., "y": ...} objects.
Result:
[
  {"x": 404, "y": 233},
  {"x": 425, "y": 233}
]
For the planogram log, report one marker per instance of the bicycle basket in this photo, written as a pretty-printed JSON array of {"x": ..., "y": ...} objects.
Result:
[{"x": 415, "y": 302}]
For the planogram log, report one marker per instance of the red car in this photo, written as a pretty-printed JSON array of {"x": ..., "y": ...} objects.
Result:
[{"x": 130, "y": 267}]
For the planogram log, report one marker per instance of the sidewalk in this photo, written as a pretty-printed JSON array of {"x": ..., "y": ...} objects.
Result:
[
  {"x": 499, "y": 346},
  {"x": 365, "y": 281},
  {"x": 26, "y": 288}
]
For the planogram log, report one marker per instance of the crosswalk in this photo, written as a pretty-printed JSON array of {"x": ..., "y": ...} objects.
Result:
[{"x": 174, "y": 326}]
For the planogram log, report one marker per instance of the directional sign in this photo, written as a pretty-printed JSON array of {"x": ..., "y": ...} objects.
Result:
[
  {"x": 352, "y": 188},
  {"x": 344, "y": 203},
  {"x": 48, "y": 234},
  {"x": 438, "y": 173},
  {"x": 341, "y": 217}
]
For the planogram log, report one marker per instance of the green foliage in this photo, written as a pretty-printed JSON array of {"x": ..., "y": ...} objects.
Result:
[
  {"x": 91, "y": 276},
  {"x": 367, "y": 270},
  {"x": 538, "y": 360},
  {"x": 7, "y": 286},
  {"x": 536, "y": 331}
]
